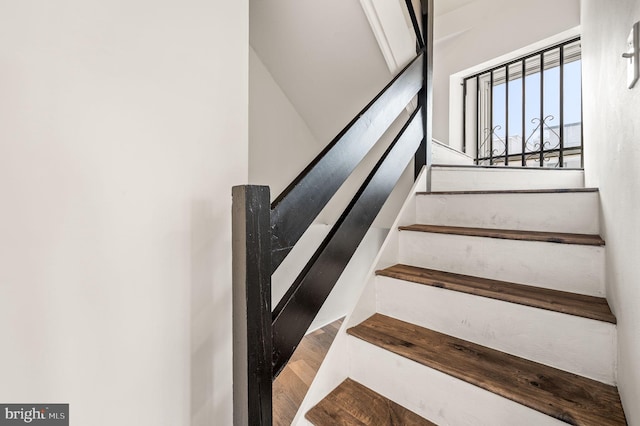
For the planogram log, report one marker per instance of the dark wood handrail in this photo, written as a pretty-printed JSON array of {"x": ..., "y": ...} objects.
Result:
[
  {"x": 295, "y": 313},
  {"x": 301, "y": 202},
  {"x": 416, "y": 26}
]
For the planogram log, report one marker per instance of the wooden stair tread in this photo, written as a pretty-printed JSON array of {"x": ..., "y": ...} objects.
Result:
[
  {"x": 509, "y": 234},
  {"x": 503, "y": 168},
  {"x": 511, "y": 191},
  {"x": 354, "y": 404},
  {"x": 565, "y": 396},
  {"x": 592, "y": 307}
]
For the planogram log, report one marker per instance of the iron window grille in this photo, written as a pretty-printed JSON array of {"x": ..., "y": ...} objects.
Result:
[{"x": 530, "y": 121}]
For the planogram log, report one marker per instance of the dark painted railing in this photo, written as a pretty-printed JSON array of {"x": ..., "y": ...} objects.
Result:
[
  {"x": 315, "y": 186},
  {"x": 264, "y": 233},
  {"x": 527, "y": 112}
]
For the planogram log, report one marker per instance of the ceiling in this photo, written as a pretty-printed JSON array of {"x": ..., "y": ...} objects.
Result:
[{"x": 323, "y": 55}]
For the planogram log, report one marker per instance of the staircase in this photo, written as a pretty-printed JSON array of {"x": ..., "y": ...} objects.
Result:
[{"x": 486, "y": 306}]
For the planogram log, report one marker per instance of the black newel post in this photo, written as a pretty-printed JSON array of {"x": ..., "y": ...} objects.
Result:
[{"x": 252, "y": 338}]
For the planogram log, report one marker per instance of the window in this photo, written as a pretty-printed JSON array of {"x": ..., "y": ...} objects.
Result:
[{"x": 527, "y": 112}]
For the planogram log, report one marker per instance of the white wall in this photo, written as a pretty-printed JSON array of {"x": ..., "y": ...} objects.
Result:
[
  {"x": 123, "y": 126},
  {"x": 485, "y": 29},
  {"x": 612, "y": 155},
  {"x": 323, "y": 55},
  {"x": 444, "y": 154},
  {"x": 280, "y": 142}
]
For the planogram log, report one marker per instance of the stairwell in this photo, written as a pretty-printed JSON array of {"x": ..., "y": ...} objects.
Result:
[{"x": 485, "y": 306}]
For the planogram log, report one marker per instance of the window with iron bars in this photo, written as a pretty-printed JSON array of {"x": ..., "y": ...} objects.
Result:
[{"x": 527, "y": 112}]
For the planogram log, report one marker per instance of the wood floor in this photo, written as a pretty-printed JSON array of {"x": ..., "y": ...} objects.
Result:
[{"x": 293, "y": 382}]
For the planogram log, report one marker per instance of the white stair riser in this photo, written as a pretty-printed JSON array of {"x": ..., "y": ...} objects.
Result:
[
  {"x": 433, "y": 395},
  {"x": 566, "y": 267},
  {"x": 582, "y": 346},
  {"x": 471, "y": 179},
  {"x": 571, "y": 212}
]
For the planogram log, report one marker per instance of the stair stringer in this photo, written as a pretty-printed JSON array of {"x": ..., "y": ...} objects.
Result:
[{"x": 335, "y": 367}]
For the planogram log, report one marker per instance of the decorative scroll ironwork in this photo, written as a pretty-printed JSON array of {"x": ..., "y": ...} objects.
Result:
[
  {"x": 541, "y": 146},
  {"x": 491, "y": 135}
]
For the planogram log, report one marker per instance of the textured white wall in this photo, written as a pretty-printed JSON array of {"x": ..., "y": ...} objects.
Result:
[
  {"x": 280, "y": 142},
  {"x": 123, "y": 126},
  {"x": 485, "y": 29},
  {"x": 612, "y": 155},
  {"x": 323, "y": 55}
]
